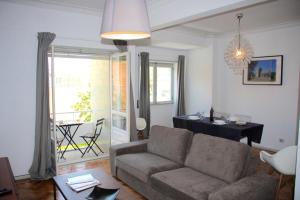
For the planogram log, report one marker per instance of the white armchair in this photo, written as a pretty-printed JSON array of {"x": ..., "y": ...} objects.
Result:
[{"x": 284, "y": 161}]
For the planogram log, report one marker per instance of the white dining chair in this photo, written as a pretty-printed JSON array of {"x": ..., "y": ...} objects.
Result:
[
  {"x": 244, "y": 118},
  {"x": 221, "y": 115},
  {"x": 284, "y": 161}
]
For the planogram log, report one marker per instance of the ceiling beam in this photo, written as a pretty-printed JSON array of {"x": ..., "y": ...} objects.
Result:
[{"x": 177, "y": 12}]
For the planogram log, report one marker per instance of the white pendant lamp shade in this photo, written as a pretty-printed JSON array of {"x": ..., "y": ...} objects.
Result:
[{"x": 125, "y": 20}]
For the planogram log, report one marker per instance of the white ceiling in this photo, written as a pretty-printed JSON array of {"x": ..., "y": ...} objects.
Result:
[
  {"x": 271, "y": 13},
  {"x": 98, "y": 4},
  {"x": 90, "y": 5},
  {"x": 260, "y": 16}
]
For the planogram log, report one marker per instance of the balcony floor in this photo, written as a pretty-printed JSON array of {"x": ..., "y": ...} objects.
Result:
[{"x": 74, "y": 156}]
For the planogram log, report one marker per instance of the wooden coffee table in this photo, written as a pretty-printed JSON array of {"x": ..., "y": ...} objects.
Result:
[{"x": 60, "y": 182}]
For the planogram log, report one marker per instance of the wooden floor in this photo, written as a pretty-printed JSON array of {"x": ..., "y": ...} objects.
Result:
[{"x": 43, "y": 190}]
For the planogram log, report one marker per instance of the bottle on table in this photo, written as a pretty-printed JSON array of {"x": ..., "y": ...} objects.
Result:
[{"x": 211, "y": 115}]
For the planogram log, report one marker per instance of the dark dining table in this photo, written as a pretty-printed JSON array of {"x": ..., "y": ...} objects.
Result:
[
  {"x": 69, "y": 130},
  {"x": 230, "y": 130}
]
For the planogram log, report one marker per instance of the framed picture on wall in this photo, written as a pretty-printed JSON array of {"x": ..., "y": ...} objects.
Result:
[{"x": 265, "y": 70}]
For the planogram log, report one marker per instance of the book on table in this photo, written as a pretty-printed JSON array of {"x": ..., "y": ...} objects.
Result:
[{"x": 83, "y": 182}]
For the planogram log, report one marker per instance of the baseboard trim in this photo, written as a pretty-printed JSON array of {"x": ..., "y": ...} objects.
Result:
[
  {"x": 105, "y": 156},
  {"x": 263, "y": 147},
  {"x": 27, "y": 176},
  {"x": 258, "y": 146},
  {"x": 22, "y": 177}
]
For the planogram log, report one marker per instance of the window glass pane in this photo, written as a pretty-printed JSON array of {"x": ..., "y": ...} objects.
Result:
[
  {"x": 164, "y": 84},
  {"x": 119, "y": 122},
  {"x": 79, "y": 84},
  {"x": 119, "y": 83},
  {"x": 82, "y": 94},
  {"x": 151, "y": 83}
]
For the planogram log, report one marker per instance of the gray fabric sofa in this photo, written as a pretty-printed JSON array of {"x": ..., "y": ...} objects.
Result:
[{"x": 174, "y": 164}]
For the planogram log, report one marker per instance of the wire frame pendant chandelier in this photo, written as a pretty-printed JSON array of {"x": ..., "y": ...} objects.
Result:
[{"x": 239, "y": 51}]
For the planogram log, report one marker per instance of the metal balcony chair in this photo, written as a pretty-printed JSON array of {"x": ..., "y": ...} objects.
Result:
[
  {"x": 91, "y": 139},
  {"x": 244, "y": 118},
  {"x": 221, "y": 115}
]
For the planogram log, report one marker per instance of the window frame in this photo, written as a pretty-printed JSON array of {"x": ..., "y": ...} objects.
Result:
[{"x": 155, "y": 64}]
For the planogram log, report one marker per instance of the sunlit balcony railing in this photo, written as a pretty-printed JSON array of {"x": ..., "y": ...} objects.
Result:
[{"x": 88, "y": 118}]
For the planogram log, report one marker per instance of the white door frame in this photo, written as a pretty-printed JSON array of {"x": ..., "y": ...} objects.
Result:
[
  {"x": 53, "y": 136},
  {"x": 127, "y": 114}
]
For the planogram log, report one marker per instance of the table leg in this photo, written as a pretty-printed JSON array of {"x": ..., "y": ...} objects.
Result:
[
  {"x": 63, "y": 153},
  {"x": 64, "y": 131},
  {"x": 54, "y": 190},
  {"x": 72, "y": 141},
  {"x": 249, "y": 141},
  {"x": 69, "y": 136}
]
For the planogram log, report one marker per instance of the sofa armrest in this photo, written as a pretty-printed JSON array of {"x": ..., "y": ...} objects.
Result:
[
  {"x": 126, "y": 148},
  {"x": 262, "y": 187}
]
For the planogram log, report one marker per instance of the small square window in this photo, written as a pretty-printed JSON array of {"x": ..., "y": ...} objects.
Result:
[{"x": 161, "y": 82}]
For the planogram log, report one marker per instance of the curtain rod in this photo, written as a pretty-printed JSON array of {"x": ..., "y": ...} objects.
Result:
[
  {"x": 163, "y": 61},
  {"x": 160, "y": 60}
]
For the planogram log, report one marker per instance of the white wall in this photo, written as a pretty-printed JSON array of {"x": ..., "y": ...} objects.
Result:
[
  {"x": 199, "y": 80},
  {"x": 163, "y": 114},
  {"x": 273, "y": 106},
  {"x": 19, "y": 25},
  {"x": 297, "y": 181}
]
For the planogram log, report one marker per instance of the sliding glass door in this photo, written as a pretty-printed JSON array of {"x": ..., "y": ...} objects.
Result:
[
  {"x": 79, "y": 96},
  {"x": 86, "y": 86},
  {"x": 120, "y": 90}
]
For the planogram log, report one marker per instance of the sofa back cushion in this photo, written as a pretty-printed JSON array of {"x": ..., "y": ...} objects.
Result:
[
  {"x": 170, "y": 143},
  {"x": 221, "y": 158}
]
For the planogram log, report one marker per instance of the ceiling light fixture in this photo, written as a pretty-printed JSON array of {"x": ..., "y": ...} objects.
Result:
[
  {"x": 239, "y": 51},
  {"x": 125, "y": 20}
]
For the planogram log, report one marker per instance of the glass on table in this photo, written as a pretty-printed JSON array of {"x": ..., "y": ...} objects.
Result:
[{"x": 200, "y": 115}]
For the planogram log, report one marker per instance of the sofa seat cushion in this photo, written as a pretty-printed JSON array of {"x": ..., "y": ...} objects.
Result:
[
  {"x": 221, "y": 158},
  {"x": 143, "y": 165},
  {"x": 170, "y": 143},
  {"x": 185, "y": 183}
]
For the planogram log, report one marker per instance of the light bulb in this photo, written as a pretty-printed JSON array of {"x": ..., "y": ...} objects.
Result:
[{"x": 239, "y": 54}]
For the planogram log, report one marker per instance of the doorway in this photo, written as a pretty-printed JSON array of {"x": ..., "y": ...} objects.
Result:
[{"x": 87, "y": 85}]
